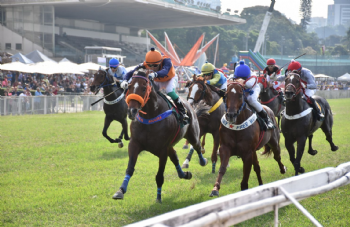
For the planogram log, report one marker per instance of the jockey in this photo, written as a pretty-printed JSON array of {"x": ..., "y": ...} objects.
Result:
[
  {"x": 117, "y": 71},
  {"x": 272, "y": 71},
  {"x": 243, "y": 71},
  {"x": 163, "y": 76},
  {"x": 307, "y": 80},
  {"x": 214, "y": 77}
]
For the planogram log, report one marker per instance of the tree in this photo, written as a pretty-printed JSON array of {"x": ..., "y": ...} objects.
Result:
[{"x": 305, "y": 12}]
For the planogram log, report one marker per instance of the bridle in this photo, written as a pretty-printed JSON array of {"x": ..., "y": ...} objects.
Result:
[
  {"x": 202, "y": 93},
  {"x": 244, "y": 103},
  {"x": 106, "y": 82},
  {"x": 296, "y": 90},
  {"x": 138, "y": 98}
]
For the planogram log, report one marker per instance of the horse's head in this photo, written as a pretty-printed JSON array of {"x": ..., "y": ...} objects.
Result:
[
  {"x": 138, "y": 94},
  {"x": 293, "y": 85},
  {"x": 101, "y": 79},
  {"x": 234, "y": 100},
  {"x": 199, "y": 91},
  {"x": 262, "y": 81}
]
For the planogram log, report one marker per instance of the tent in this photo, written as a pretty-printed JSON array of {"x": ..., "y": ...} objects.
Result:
[
  {"x": 323, "y": 77},
  {"x": 21, "y": 58},
  {"x": 345, "y": 77},
  {"x": 16, "y": 66},
  {"x": 37, "y": 56},
  {"x": 90, "y": 66}
]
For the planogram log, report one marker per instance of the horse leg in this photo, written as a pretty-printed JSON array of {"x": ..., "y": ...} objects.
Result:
[
  {"x": 160, "y": 175},
  {"x": 214, "y": 156},
  {"x": 247, "y": 167},
  {"x": 134, "y": 150},
  {"x": 327, "y": 130},
  {"x": 195, "y": 145},
  {"x": 276, "y": 149},
  {"x": 300, "y": 151},
  {"x": 203, "y": 144},
  {"x": 278, "y": 124},
  {"x": 311, "y": 151},
  {"x": 256, "y": 167},
  {"x": 125, "y": 129},
  {"x": 108, "y": 122},
  {"x": 225, "y": 157},
  {"x": 175, "y": 160},
  {"x": 291, "y": 151}
]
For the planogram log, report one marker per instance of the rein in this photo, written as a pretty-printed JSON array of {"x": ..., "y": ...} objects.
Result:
[
  {"x": 297, "y": 91},
  {"x": 203, "y": 91},
  {"x": 138, "y": 98}
]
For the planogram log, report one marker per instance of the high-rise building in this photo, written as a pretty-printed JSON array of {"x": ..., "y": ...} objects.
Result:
[{"x": 339, "y": 13}]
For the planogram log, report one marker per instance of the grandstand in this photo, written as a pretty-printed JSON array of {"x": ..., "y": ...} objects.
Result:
[{"x": 62, "y": 28}]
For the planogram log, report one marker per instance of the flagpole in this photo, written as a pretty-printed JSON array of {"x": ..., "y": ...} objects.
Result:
[
  {"x": 147, "y": 40},
  {"x": 216, "y": 50}
]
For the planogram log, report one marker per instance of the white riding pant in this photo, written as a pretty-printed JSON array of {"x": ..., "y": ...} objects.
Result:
[
  {"x": 253, "y": 99},
  {"x": 224, "y": 86},
  {"x": 309, "y": 92},
  {"x": 168, "y": 86}
]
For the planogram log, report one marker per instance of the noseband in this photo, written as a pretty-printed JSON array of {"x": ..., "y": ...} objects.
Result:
[
  {"x": 296, "y": 90},
  {"x": 138, "y": 98},
  {"x": 202, "y": 93},
  {"x": 244, "y": 104}
]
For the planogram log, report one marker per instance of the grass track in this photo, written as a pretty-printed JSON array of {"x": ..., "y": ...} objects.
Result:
[{"x": 58, "y": 170}]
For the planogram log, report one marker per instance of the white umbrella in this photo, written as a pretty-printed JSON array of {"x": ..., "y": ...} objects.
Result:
[
  {"x": 323, "y": 77},
  {"x": 16, "y": 66},
  {"x": 91, "y": 66}
]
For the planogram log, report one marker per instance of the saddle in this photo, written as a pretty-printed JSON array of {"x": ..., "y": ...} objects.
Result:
[
  {"x": 173, "y": 107},
  {"x": 262, "y": 124}
]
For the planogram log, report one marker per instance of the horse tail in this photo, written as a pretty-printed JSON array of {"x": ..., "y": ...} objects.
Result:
[
  {"x": 267, "y": 151},
  {"x": 202, "y": 109}
]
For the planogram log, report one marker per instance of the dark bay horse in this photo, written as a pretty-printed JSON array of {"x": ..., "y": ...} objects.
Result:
[
  {"x": 208, "y": 123},
  {"x": 299, "y": 123},
  {"x": 269, "y": 97},
  {"x": 240, "y": 135},
  {"x": 114, "y": 105},
  {"x": 154, "y": 128}
]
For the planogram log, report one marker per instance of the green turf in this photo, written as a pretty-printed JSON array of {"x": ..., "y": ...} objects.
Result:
[{"x": 58, "y": 170}]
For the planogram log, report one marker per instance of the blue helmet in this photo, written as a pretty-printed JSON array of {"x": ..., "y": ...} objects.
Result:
[
  {"x": 242, "y": 70},
  {"x": 113, "y": 62}
]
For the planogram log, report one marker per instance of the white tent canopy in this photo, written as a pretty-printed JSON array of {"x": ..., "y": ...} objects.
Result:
[
  {"x": 323, "y": 77},
  {"x": 37, "y": 56},
  {"x": 21, "y": 58},
  {"x": 345, "y": 77},
  {"x": 90, "y": 66}
]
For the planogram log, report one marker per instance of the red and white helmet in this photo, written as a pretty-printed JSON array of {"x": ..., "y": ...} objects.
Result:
[
  {"x": 271, "y": 61},
  {"x": 294, "y": 65}
]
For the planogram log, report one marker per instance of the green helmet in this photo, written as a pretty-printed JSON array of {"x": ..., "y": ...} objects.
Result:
[{"x": 207, "y": 68}]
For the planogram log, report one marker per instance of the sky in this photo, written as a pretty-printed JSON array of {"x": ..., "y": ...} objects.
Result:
[{"x": 290, "y": 8}]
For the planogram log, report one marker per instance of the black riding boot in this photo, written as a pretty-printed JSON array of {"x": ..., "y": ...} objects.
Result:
[
  {"x": 281, "y": 96},
  {"x": 183, "y": 113},
  {"x": 267, "y": 119},
  {"x": 315, "y": 107}
]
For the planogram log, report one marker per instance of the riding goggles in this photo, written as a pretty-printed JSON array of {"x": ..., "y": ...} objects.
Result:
[
  {"x": 113, "y": 67},
  {"x": 207, "y": 74},
  {"x": 153, "y": 65}
]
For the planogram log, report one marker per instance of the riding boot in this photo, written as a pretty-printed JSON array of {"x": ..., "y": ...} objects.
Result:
[
  {"x": 267, "y": 119},
  {"x": 315, "y": 107},
  {"x": 281, "y": 96},
  {"x": 183, "y": 113}
]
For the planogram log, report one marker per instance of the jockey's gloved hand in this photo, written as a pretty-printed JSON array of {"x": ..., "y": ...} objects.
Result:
[
  {"x": 140, "y": 66},
  {"x": 273, "y": 75},
  {"x": 151, "y": 76},
  {"x": 124, "y": 84}
]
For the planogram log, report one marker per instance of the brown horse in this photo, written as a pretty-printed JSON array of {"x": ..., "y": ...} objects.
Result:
[
  {"x": 240, "y": 135},
  {"x": 155, "y": 129},
  {"x": 208, "y": 123},
  {"x": 298, "y": 122},
  {"x": 114, "y": 105},
  {"x": 270, "y": 97}
]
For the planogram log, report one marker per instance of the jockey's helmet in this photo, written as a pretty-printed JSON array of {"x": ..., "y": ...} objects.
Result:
[
  {"x": 242, "y": 70},
  {"x": 153, "y": 57},
  {"x": 294, "y": 65},
  {"x": 207, "y": 68},
  {"x": 113, "y": 63},
  {"x": 271, "y": 61}
]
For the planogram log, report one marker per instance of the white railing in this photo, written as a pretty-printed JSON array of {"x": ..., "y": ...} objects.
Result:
[
  {"x": 18, "y": 105},
  {"x": 241, "y": 206}
]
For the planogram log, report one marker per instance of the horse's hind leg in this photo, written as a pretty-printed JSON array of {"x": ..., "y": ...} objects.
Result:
[
  {"x": 203, "y": 144},
  {"x": 327, "y": 130},
  {"x": 105, "y": 128},
  {"x": 225, "y": 157},
  {"x": 311, "y": 151},
  {"x": 195, "y": 145},
  {"x": 256, "y": 168},
  {"x": 276, "y": 149}
]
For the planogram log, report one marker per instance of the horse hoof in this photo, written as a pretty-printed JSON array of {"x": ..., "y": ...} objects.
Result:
[
  {"x": 312, "y": 152},
  {"x": 301, "y": 170},
  {"x": 120, "y": 145},
  {"x": 203, "y": 151},
  {"x": 335, "y": 148},
  {"x": 159, "y": 201},
  {"x": 205, "y": 162},
  {"x": 213, "y": 171},
  {"x": 126, "y": 137},
  {"x": 188, "y": 175},
  {"x": 118, "y": 195},
  {"x": 284, "y": 170},
  {"x": 214, "y": 193}
]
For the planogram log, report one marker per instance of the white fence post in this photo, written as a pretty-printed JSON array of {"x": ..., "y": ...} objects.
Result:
[{"x": 45, "y": 104}]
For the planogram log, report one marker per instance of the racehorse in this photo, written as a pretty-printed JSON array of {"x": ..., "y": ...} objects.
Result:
[
  {"x": 155, "y": 128},
  {"x": 208, "y": 123},
  {"x": 114, "y": 105},
  {"x": 298, "y": 123},
  {"x": 269, "y": 98},
  {"x": 240, "y": 135}
]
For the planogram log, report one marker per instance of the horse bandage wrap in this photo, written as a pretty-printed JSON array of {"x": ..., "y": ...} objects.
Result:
[{"x": 242, "y": 126}]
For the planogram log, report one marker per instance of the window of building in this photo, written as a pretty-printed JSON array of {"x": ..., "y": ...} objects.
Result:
[
  {"x": 8, "y": 46},
  {"x": 18, "y": 46}
]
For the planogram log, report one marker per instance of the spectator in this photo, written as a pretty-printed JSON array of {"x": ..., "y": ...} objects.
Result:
[
  {"x": 37, "y": 100},
  {"x": 5, "y": 82}
]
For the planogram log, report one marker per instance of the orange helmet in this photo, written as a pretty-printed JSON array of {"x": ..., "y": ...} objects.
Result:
[
  {"x": 153, "y": 57},
  {"x": 271, "y": 61}
]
